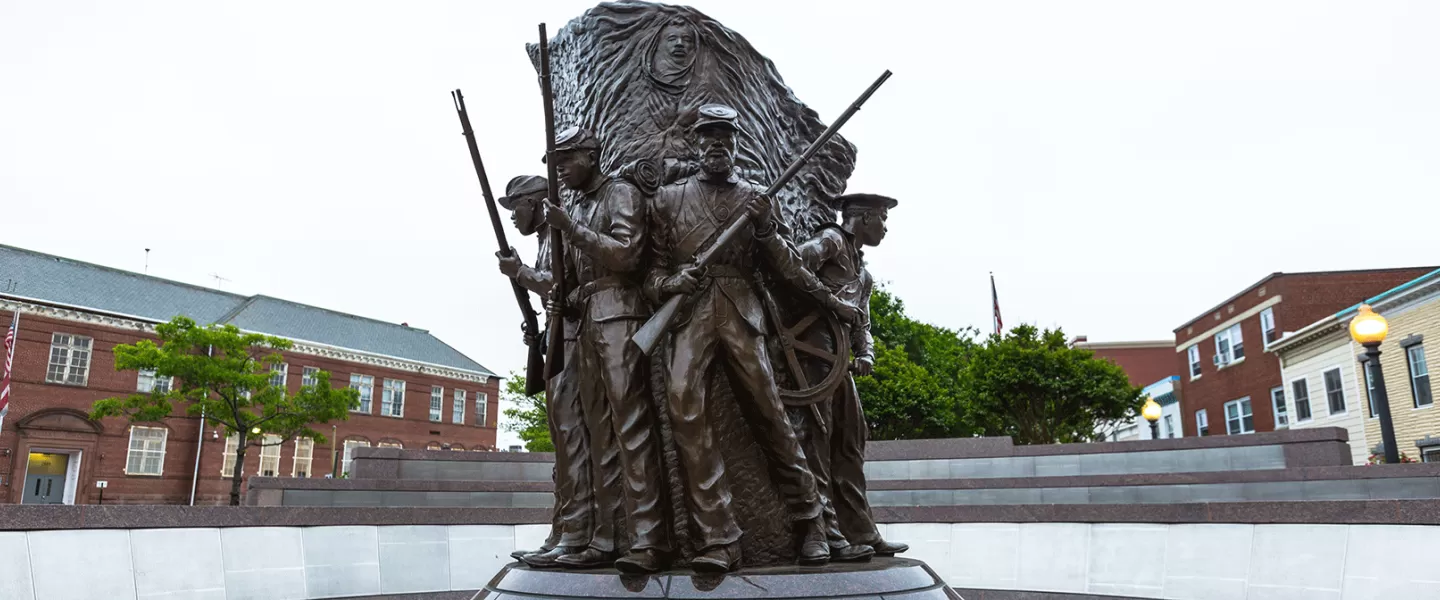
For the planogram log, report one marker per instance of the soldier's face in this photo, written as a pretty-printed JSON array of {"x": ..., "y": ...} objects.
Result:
[
  {"x": 575, "y": 168},
  {"x": 872, "y": 228},
  {"x": 526, "y": 215},
  {"x": 717, "y": 148}
]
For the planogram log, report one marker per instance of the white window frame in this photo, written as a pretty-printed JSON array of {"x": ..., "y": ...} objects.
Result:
[
  {"x": 227, "y": 463},
  {"x": 349, "y": 455},
  {"x": 1339, "y": 389},
  {"x": 149, "y": 447},
  {"x": 304, "y": 455},
  {"x": 482, "y": 408},
  {"x": 70, "y": 357},
  {"x": 392, "y": 398},
  {"x": 1194, "y": 355},
  {"x": 1415, "y": 356},
  {"x": 364, "y": 384},
  {"x": 1277, "y": 403},
  {"x": 437, "y": 403},
  {"x": 457, "y": 417},
  {"x": 390, "y": 444},
  {"x": 1267, "y": 325},
  {"x": 1169, "y": 426},
  {"x": 280, "y": 371},
  {"x": 1226, "y": 342},
  {"x": 1295, "y": 398},
  {"x": 1202, "y": 423},
  {"x": 1241, "y": 406},
  {"x": 147, "y": 382},
  {"x": 270, "y": 447},
  {"x": 1430, "y": 454},
  {"x": 308, "y": 376}
]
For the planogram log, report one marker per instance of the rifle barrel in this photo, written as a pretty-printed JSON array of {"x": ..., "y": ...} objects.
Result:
[{"x": 555, "y": 361}]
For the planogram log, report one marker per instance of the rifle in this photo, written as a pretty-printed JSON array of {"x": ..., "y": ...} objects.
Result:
[
  {"x": 535, "y": 362},
  {"x": 649, "y": 335},
  {"x": 555, "y": 352}
]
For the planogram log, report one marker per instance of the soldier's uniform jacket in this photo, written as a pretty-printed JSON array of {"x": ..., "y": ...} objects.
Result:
[
  {"x": 839, "y": 262},
  {"x": 687, "y": 216},
  {"x": 537, "y": 279},
  {"x": 604, "y": 254}
]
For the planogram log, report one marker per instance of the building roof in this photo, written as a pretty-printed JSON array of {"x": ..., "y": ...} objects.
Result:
[
  {"x": 1276, "y": 275},
  {"x": 1426, "y": 284},
  {"x": 31, "y": 275}
]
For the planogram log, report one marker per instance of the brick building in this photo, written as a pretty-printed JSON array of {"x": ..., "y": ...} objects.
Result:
[
  {"x": 416, "y": 391},
  {"x": 1145, "y": 362},
  {"x": 1228, "y": 384}
]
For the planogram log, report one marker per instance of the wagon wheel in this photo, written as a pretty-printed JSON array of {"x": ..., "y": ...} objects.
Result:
[{"x": 801, "y": 343}]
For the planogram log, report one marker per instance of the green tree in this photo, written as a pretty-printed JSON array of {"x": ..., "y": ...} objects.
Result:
[
  {"x": 914, "y": 391},
  {"x": 224, "y": 375},
  {"x": 528, "y": 416},
  {"x": 1032, "y": 386}
]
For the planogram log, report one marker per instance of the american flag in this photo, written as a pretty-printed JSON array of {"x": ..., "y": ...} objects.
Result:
[
  {"x": 995, "y": 298},
  {"x": 9, "y": 363}
]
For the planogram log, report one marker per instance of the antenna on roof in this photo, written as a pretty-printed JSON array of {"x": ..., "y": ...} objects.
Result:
[
  {"x": 218, "y": 279},
  {"x": 147, "y": 261}
]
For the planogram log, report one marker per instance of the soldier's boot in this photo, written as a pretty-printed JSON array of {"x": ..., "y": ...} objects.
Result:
[
  {"x": 549, "y": 558},
  {"x": 586, "y": 559},
  {"x": 884, "y": 548},
  {"x": 641, "y": 562},
  {"x": 851, "y": 553},
  {"x": 717, "y": 559},
  {"x": 814, "y": 549}
]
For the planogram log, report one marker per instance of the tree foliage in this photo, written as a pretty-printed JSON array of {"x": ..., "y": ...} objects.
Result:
[
  {"x": 913, "y": 392},
  {"x": 224, "y": 375},
  {"x": 1032, "y": 386},
  {"x": 527, "y": 416}
]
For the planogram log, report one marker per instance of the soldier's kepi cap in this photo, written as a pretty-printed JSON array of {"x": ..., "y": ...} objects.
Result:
[
  {"x": 858, "y": 202},
  {"x": 574, "y": 138},
  {"x": 716, "y": 115},
  {"x": 522, "y": 186}
]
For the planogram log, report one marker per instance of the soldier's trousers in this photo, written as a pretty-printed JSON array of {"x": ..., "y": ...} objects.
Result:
[
  {"x": 696, "y": 344},
  {"x": 572, "y": 522},
  {"x": 835, "y": 448},
  {"x": 620, "y": 417}
]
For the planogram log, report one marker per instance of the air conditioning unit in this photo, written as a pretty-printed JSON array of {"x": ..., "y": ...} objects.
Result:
[{"x": 1220, "y": 360}]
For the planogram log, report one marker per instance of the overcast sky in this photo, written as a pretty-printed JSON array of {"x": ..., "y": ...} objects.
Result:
[{"x": 1120, "y": 166}]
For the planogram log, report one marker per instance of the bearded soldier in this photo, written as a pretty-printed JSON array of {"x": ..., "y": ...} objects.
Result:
[
  {"x": 605, "y": 236},
  {"x": 836, "y": 448},
  {"x": 574, "y": 519},
  {"x": 726, "y": 320}
]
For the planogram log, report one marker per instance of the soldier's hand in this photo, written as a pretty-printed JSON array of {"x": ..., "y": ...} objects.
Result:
[
  {"x": 510, "y": 265},
  {"x": 847, "y": 312},
  {"x": 684, "y": 282},
  {"x": 556, "y": 217},
  {"x": 552, "y": 307},
  {"x": 759, "y": 209},
  {"x": 863, "y": 366}
]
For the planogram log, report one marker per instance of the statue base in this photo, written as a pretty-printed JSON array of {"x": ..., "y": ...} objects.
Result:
[{"x": 892, "y": 578}]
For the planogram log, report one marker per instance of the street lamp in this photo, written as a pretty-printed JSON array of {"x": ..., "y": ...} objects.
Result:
[
  {"x": 1369, "y": 329},
  {"x": 1152, "y": 414},
  {"x": 255, "y": 430}
]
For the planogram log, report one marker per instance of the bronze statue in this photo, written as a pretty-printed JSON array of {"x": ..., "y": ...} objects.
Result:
[
  {"x": 725, "y": 320},
  {"x": 605, "y": 230},
  {"x": 835, "y": 444},
  {"x": 575, "y": 518}
]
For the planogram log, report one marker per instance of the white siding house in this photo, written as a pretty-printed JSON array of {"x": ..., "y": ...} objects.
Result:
[{"x": 1320, "y": 382}]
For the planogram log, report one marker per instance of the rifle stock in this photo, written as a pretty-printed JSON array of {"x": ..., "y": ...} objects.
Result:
[
  {"x": 535, "y": 362},
  {"x": 648, "y": 337},
  {"x": 555, "y": 350}
]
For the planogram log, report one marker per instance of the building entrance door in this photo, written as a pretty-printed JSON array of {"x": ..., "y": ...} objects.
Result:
[{"x": 45, "y": 478}]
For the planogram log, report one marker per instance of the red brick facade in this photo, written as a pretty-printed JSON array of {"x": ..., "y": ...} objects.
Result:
[
  {"x": 50, "y": 416},
  {"x": 1296, "y": 300},
  {"x": 1144, "y": 362}
]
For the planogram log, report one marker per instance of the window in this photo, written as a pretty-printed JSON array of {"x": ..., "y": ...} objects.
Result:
[
  {"x": 365, "y": 384},
  {"x": 1301, "y": 388},
  {"x": 304, "y": 451},
  {"x": 307, "y": 376},
  {"x": 1238, "y": 418},
  {"x": 437, "y": 403},
  {"x": 433, "y": 446},
  {"x": 1419, "y": 376},
  {"x": 1194, "y": 361},
  {"x": 1229, "y": 347},
  {"x": 1369, "y": 387},
  {"x": 481, "y": 399},
  {"x": 1202, "y": 422},
  {"x": 147, "y": 451},
  {"x": 392, "y": 399},
  {"x": 1267, "y": 326},
  {"x": 1282, "y": 413},
  {"x": 1169, "y": 426},
  {"x": 1431, "y": 454},
  {"x": 456, "y": 448},
  {"x": 278, "y": 374},
  {"x": 147, "y": 383},
  {"x": 1335, "y": 392},
  {"x": 227, "y": 466},
  {"x": 69, "y": 359},
  {"x": 458, "y": 415},
  {"x": 350, "y": 445},
  {"x": 390, "y": 444},
  {"x": 270, "y": 455}
]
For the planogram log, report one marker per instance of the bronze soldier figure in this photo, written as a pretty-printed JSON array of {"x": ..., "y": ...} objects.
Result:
[
  {"x": 836, "y": 448},
  {"x": 574, "y": 518},
  {"x": 604, "y": 230},
  {"x": 726, "y": 319}
]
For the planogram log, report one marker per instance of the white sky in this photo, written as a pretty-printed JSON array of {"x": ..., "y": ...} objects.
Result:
[{"x": 1120, "y": 166}]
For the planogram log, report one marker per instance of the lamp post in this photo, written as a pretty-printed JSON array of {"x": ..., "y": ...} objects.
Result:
[
  {"x": 1152, "y": 411},
  {"x": 1369, "y": 329}
]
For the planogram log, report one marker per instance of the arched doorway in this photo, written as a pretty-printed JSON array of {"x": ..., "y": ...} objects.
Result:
[{"x": 56, "y": 446}]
